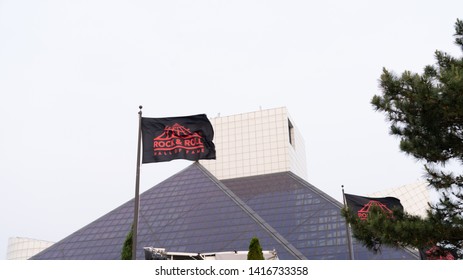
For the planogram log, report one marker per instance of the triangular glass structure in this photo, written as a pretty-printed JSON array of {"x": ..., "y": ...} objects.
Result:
[
  {"x": 194, "y": 212},
  {"x": 189, "y": 212}
]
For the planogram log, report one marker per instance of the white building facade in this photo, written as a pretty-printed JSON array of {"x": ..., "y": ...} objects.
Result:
[
  {"x": 22, "y": 248},
  {"x": 257, "y": 143}
]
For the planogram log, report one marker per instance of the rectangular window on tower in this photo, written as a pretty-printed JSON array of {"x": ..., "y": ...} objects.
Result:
[{"x": 291, "y": 133}]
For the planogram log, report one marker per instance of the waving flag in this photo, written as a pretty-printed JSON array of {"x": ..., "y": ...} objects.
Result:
[
  {"x": 166, "y": 139},
  {"x": 361, "y": 205}
]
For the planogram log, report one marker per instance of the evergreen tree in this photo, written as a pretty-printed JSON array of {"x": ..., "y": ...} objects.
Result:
[
  {"x": 255, "y": 250},
  {"x": 426, "y": 113},
  {"x": 126, "y": 253}
]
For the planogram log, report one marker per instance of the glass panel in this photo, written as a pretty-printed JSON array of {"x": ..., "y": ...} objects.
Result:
[{"x": 189, "y": 212}]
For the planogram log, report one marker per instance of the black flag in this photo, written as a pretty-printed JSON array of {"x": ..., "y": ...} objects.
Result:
[
  {"x": 361, "y": 205},
  {"x": 166, "y": 139}
]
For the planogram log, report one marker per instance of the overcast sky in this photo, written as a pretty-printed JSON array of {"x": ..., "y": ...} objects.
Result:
[{"x": 73, "y": 73}]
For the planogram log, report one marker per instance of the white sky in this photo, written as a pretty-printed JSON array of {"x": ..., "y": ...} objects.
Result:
[{"x": 73, "y": 73}]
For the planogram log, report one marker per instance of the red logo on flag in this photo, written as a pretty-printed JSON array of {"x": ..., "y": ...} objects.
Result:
[
  {"x": 363, "y": 213},
  {"x": 177, "y": 138}
]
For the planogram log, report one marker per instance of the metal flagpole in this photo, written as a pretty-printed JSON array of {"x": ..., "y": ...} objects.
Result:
[
  {"x": 137, "y": 191},
  {"x": 349, "y": 238}
]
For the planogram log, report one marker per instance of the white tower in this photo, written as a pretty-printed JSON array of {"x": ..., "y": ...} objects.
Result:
[{"x": 257, "y": 143}]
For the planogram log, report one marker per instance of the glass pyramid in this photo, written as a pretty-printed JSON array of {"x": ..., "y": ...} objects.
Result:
[{"x": 194, "y": 212}]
